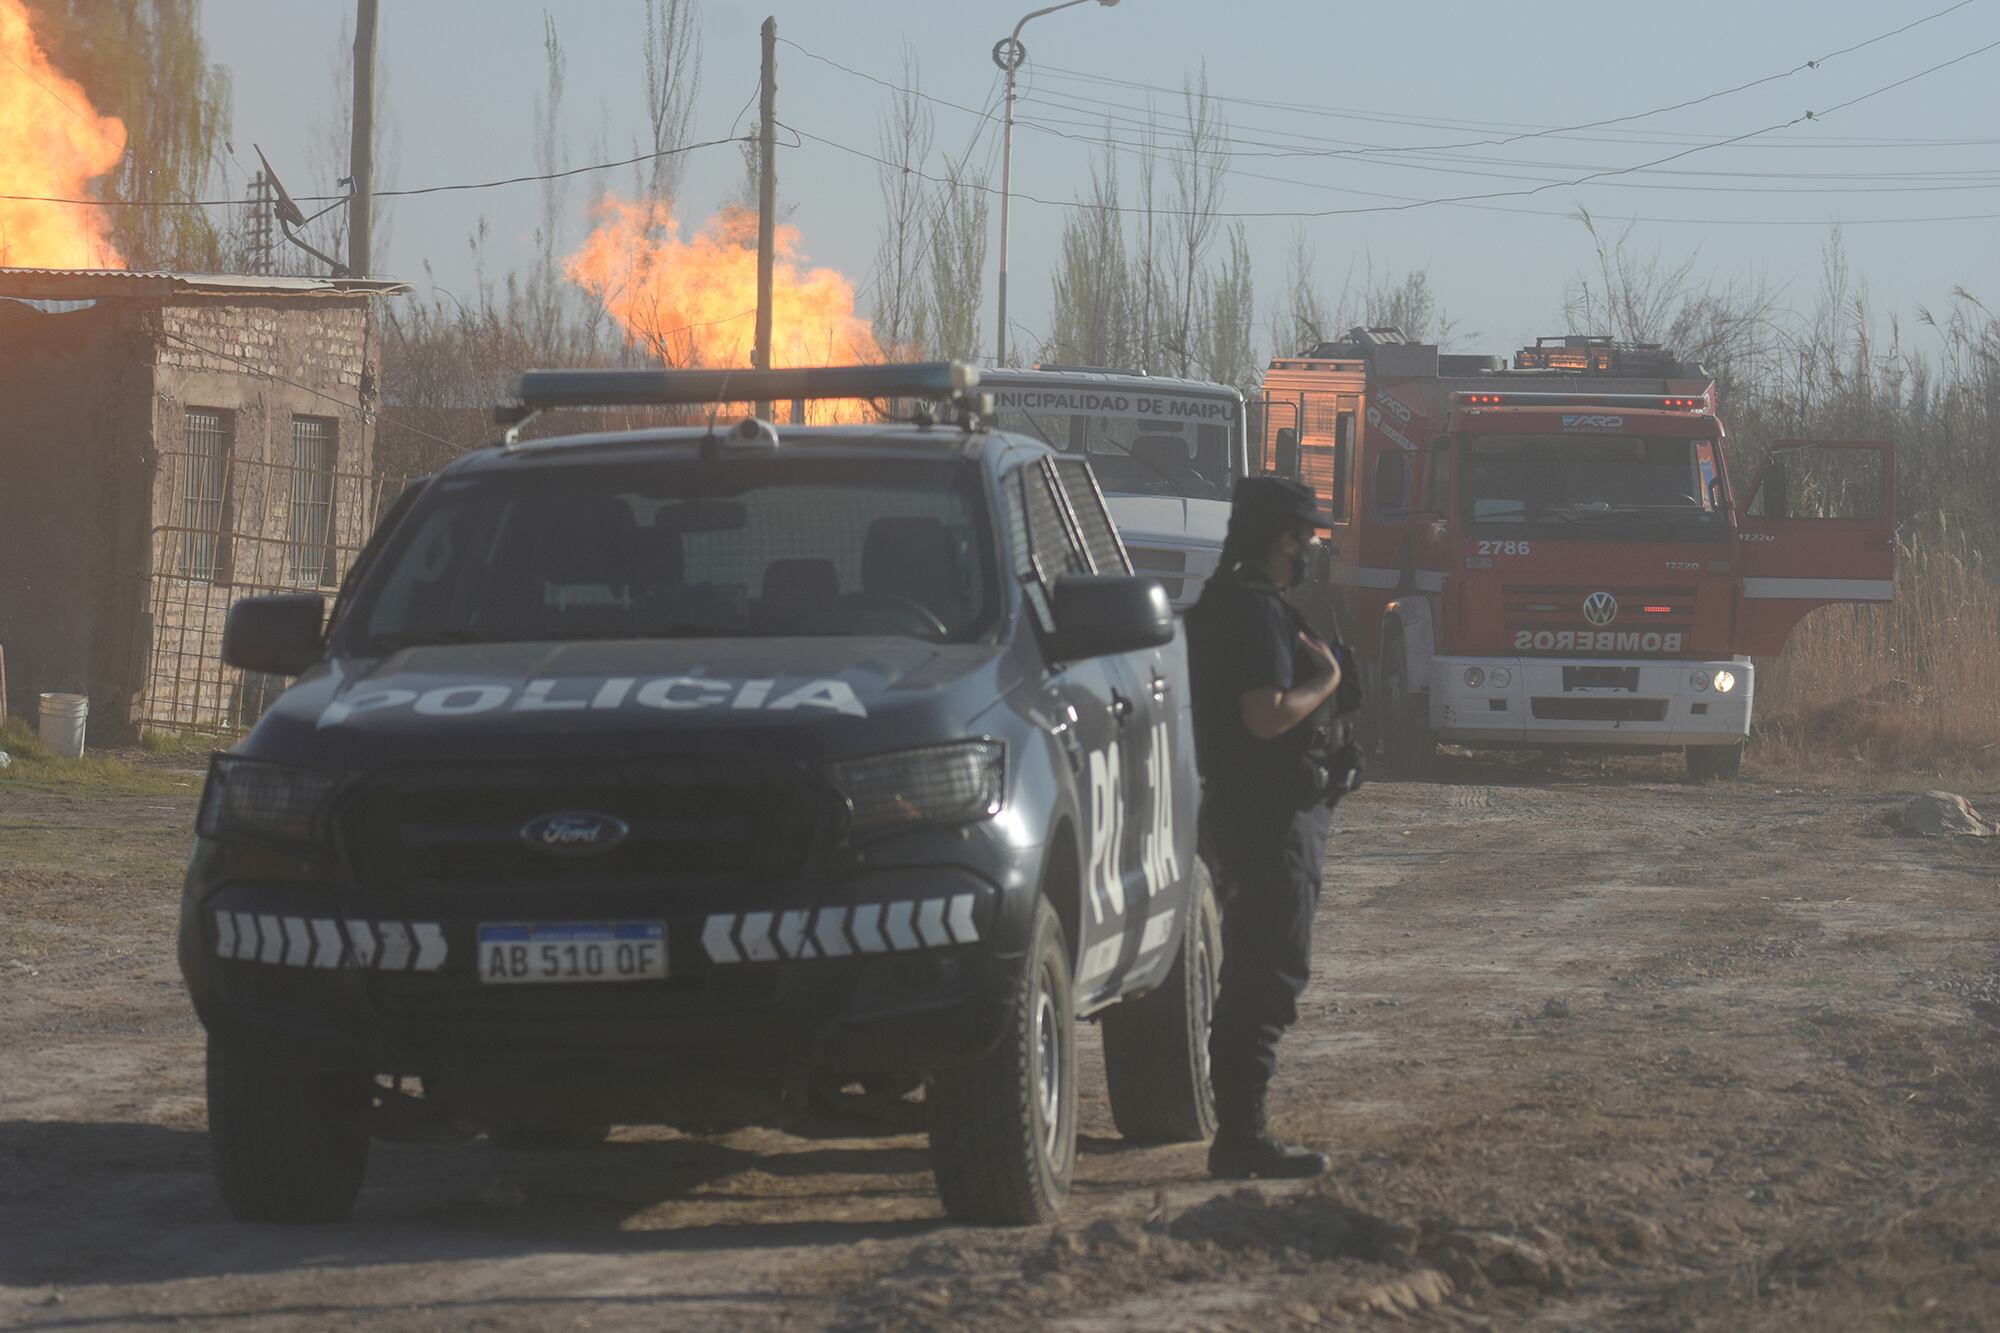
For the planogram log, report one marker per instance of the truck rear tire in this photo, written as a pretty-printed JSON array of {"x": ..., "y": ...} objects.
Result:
[
  {"x": 1156, "y": 1044},
  {"x": 1711, "y": 763},
  {"x": 1407, "y": 743},
  {"x": 1003, "y": 1128},
  {"x": 289, "y": 1141}
]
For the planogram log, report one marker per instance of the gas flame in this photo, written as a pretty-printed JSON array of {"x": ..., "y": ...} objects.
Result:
[
  {"x": 52, "y": 144},
  {"x": 693, "y": 302}
]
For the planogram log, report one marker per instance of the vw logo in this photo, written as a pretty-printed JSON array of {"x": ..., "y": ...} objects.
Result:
[
  {"x": 1600, "y": 608},
  {"x": 574, "y": 833}
]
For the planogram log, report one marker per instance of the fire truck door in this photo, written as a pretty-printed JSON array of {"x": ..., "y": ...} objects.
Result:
[{"x": 1820, "y": 527}]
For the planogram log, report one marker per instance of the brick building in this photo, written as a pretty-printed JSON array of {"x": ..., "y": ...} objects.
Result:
[{"x": 168, "y": 444}]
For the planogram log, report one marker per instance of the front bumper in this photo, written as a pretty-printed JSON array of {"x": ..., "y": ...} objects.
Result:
[
  {"x": 898, "y": 968},
  {"x": 1547, "y": 702}
]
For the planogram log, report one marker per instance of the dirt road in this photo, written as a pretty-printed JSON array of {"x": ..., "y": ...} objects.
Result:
[{"x": 1591, "y": 1049}]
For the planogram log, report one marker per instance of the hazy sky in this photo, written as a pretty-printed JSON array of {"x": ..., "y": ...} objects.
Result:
[{"x": 461, "y": 78}]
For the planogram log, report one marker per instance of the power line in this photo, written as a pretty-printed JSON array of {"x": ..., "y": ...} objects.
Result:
[
  {"x": 1339, "y": 113},
  {"x": 379, "y": 194},
  {"x": 1463, "y": 201}
]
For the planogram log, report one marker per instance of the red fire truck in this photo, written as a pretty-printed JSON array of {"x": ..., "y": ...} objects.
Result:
[{"x": 1553, "y": 554}]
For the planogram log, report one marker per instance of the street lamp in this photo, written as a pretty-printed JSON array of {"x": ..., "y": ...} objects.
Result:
[{"x": 1008, "y": 53}]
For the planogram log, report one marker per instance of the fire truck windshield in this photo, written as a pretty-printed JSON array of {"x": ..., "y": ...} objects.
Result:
[
  {"x": 1593, "y": 489},
  {"x": 1179, "y": 446}
]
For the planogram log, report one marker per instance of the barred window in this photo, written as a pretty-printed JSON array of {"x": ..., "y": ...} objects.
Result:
[
  {"x": 1100, "y": 538},
  {"x": 310, "y": 563},
  {"x": 206, "y": 434}
]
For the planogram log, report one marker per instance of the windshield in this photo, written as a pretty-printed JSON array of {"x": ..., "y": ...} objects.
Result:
[
  {"x": 1139, "y": 443},
  {"x": 680, "y": 549},
  {"x": 1597, "y": 488}
]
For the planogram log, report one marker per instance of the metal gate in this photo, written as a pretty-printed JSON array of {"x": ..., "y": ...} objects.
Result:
[{"x": 226, "y": 528}]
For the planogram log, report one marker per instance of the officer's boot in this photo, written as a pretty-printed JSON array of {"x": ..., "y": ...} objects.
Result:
[{"x": 1244, "y": 1149}]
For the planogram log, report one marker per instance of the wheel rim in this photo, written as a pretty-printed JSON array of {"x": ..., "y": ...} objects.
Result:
[{"x": 1048, "y": 1066}]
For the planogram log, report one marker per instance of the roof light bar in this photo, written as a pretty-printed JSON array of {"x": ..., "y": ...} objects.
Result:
[{"x": 540, "y": 390}]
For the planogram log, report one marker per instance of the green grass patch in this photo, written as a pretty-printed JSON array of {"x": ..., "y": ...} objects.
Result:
[
  {"x": 195, "y": 744},
  {"x": 34, "y": 768}
]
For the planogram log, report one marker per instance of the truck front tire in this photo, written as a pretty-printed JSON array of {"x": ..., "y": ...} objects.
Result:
[
  {"x": 289, "y": 1141},
  {"x": 1003, "y": 1128},
  {"x": 1156, "y": 1044}
]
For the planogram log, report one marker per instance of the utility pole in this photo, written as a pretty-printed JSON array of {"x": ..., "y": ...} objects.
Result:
[
  {"x": 767, "y": 199},
  {"x": 361, "y": 152}
]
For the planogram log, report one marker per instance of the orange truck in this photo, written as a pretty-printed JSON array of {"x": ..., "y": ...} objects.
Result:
[{"x": 1553, "y": 553}]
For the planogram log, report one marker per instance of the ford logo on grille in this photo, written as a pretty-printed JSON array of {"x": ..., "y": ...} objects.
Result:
[
  {"x": 574, "y": 833},
  {"x": 1600, "y": 608}
]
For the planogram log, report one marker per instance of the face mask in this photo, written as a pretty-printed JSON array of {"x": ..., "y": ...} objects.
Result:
[{"x": 1298, "y": 566}]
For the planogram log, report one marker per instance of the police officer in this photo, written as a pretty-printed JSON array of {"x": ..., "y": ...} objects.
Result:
[{"x": 1259, "y": 676}]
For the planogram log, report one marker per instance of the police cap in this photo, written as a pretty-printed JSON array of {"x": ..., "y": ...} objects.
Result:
[{"x": 1276, "y": 501}]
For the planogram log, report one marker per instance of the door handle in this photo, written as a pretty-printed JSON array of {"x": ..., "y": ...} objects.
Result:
[{"x": 1121, "y": 708}]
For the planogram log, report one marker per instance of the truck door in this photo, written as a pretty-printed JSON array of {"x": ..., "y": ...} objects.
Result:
[
  {"x": 1098, "y": 720},
  {"x": 1819, "y": 527},
  {"x": 1156, "y": 848}
]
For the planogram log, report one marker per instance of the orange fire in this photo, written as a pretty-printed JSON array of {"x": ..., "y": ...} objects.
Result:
[
  {"x": 52, "y": 144},
  {"x": 693, "y": 302}
]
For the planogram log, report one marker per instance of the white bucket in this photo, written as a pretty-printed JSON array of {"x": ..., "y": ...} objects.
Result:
[{"x": 62, "y": 723}]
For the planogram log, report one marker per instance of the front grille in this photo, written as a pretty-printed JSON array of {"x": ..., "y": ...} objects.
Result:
[
  {"x": 1599, "y": 710},
  {"x": 1601, "y": 678},
  {"x": 437, "y": 827},
  {"x": 1550, "y": 619}
]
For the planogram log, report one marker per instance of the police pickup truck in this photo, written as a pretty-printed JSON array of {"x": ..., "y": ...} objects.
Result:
[{"x": 663, "y": 776}]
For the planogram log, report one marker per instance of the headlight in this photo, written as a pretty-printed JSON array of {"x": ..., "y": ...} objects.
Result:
[
  {"x": 1725, "y": 681},
  {"x": 1500, "y": 678},
  {"x": 1699, "y": 679},
  {"x": 247, "y": 798},
  {"x": 1474, "y": 678},
  {"x": 941, "y": 784}
]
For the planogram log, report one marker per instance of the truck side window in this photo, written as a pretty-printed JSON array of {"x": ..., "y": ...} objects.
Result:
[
  {"x": 1435, "y": 483},
  {"x": 1390, "y": 495},
  {"x": 1093, "y": 520},
  {"x": 1043, "y": 550},
  {"x": 1343, "y": 466}
]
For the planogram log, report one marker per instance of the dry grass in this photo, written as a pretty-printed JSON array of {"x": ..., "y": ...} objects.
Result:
[{"x": 1913, "y": 686}]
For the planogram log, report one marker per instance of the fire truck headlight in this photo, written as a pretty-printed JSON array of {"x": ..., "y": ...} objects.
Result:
[
  {"x": 1500, "y": 678},
  {"x": 1698, "y": 679},
  {"x": 1474, "y": 678},
  {"x": 1725, "y": 681}
]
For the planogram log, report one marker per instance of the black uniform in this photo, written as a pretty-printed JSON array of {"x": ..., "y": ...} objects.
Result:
[{"x": 1266, "y": 827}]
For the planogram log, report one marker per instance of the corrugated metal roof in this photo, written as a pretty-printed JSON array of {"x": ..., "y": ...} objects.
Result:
[{"x": 84, "y": 284}]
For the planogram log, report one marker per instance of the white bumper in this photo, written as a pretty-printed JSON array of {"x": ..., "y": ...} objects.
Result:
[{"x": 1588, "y": 701}]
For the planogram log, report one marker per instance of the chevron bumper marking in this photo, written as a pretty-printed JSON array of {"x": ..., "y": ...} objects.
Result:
[
  {"x": 839, "y": 932},
  {"x": 317, "y": 942}
]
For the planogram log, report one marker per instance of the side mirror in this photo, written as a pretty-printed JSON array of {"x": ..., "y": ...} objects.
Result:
[
  {"x": 1285, "y": 453},
  {"x": 279, "y": 636},
  {"x": 1101, "y": 614}
]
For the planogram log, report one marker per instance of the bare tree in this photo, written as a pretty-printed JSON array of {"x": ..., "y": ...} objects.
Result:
[
  {"x": 1305, "y": 321},
  {"x": 1227, "y": 334},
  {"x": 958, "y": 265},
  {"x": 905, "y": 134},
  {"x": 673, "y": 81},
  {"x": 1090, "y": 317},
  {"x": 1199, "y": 164}
]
